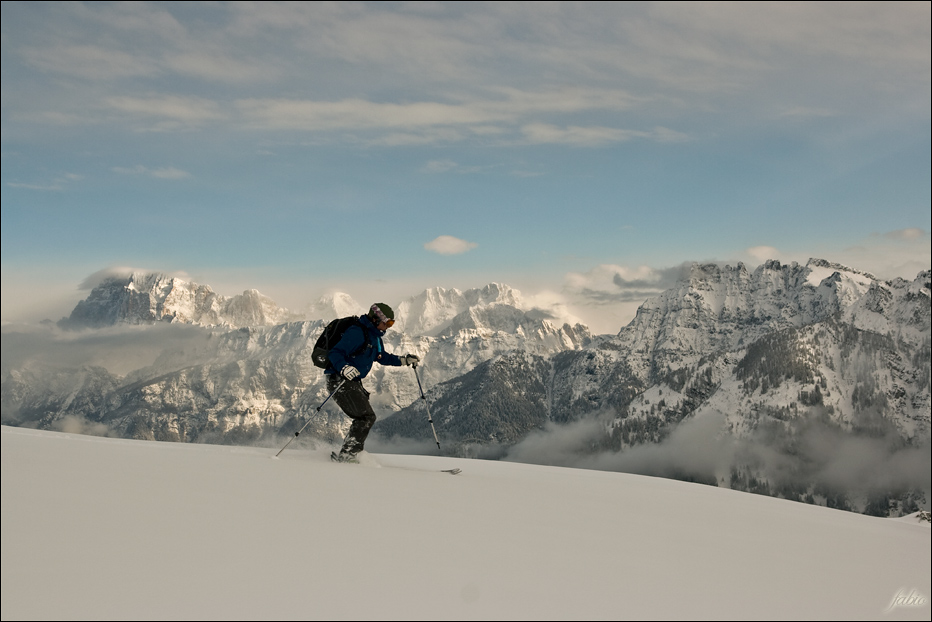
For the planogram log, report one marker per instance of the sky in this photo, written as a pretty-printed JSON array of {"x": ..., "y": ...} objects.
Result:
[
  {"x": 100, "y": 528},
  {"x": 580, "y": 152}
]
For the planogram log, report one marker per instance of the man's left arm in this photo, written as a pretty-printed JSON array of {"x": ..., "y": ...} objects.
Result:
[{"x": 387, "y": 358}]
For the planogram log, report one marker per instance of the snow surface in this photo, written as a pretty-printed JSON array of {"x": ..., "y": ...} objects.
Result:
[{"x": 99, "y": 528}]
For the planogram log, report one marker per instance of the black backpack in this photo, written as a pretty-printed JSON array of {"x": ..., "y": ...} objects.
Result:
[{"x": 331, "y": 336}]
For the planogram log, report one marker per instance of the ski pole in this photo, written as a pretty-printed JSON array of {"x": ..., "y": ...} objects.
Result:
[
  {"x": 339, "y": 386},
  {"x": 424, "y": 397}
]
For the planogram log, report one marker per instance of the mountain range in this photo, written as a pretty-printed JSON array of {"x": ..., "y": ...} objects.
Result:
[{"x": 810, "y": 382}]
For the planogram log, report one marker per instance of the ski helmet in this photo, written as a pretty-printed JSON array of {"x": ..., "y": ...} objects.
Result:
[{"x": 381, "y": 312}]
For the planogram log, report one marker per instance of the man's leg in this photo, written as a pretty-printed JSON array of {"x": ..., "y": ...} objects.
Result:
[{"x": 354, "y": 400}]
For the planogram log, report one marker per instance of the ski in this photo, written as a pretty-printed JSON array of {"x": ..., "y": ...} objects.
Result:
[{"x": 336, "y": 458}]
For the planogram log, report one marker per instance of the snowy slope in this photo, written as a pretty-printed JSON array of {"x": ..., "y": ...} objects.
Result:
[{"x": 98, "y": 528}]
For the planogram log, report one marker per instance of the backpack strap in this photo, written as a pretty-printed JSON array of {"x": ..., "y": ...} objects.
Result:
[{"x": 365, "y": 338}]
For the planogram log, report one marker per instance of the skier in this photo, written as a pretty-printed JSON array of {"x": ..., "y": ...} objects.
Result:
[{"x": 351, "y": 359}]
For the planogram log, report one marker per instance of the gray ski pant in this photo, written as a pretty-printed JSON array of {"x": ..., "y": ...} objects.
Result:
[{"x": 354, "y": 400}]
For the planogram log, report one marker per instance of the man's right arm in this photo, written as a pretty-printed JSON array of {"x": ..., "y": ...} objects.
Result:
[{"x": 351, "y": 341}]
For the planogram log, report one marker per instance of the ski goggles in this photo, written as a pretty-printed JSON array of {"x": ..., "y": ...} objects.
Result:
[{"x": 383, "y": 319}]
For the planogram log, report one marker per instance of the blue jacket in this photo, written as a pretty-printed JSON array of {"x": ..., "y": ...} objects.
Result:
[{"x": 342, "y": 354}]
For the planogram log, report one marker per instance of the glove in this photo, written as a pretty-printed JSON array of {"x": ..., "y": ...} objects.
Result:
[
  {"x": 409, "y": 359},
  {"x": 349, "y": 372}
]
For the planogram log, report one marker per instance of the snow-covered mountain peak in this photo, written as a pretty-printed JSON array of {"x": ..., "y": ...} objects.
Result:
[
  {"x": 335, "y": 305},
  {"x": 145, "y": 298},
  {"x": 820, "y": 269},
  {"x": 706, "y": 272},
  {"x": 922, "y": 284},
  {"x": 431, "y": 311},
  {"x": 716, "y": 307},
  {"x": 843, "y": 285}
]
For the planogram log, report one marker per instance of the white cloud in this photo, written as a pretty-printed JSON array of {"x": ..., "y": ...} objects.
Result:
[
  {"x": 168, "y": 172},
  {"x": 440, "y": 166},
  {"x": 23, "y": 186},
  {"x": 355, "y": 114},
  {"x": 124, "y": 272},
  {"x": 57, "y": 184},
  {"x": 657, "y": 51},
  {"x": 479, "y": 114},
  {"x": 908, "y": 235},
  {"x": 448, "y": 166},
  {"x": 763, "y": 253},
  {"x": 609, "y": 279},
  {"x": 449, "y": 245},
  {"x": 901, "y": 253},
  {"x": 609, "y": 295},
  {"x": 216, "y": 65},
  {"x": 593, "y": 136},
  {"x": 89, "y": 62},
  {"x": 807, "y": 112},
  {"x": 666, "y": 135},
  {"x": 187, "y": 110},
  {"x": 421, "y": 136}
]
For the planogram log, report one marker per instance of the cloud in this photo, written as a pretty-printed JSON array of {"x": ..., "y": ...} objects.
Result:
[
  {"x": 900, "y": 253},
  {"x": 658, "y": 52},
  {"x": 763, "y": 253},
  {"x": 424, "y": 136},
  {"x": 906, "y": 235},
  {"x": 806, "y": 453},
  {"x": 596, "y": 136},
  {"x": 307, "y": 115},
  {"x": 184, "y": 110},
  {"x": 558, "y": 445},
  {"x": 56, "y": 184},
  {"x": 807, "y": 112},
  {"x": 115, "y": 272},
  {"x": 695, "y": 447},
  {"x": 480, "y": 114},
  {"x": 608, "y": 283},
  {"x": 53, "y": 186},
  {"x": 666, "y": 135},
  {"x": 608, "y": 295},
  {"x": 89, "y": 62},
  {"x": 73, "y": 424},
  {"x": 123, "y": 272},
  {"x": 449, "y": 245},
  {"x": 118, "y": 349},
  {"x": 440, "y": 166},
  {"x": 217, "y": 65},
  {"x": 553, "y": 306},
  {"x": 447, "y": 63},
  {"x": 593, "y": 136},
  {"x": 169, "y": 172},
  {"x": 448, "y": 166}
]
